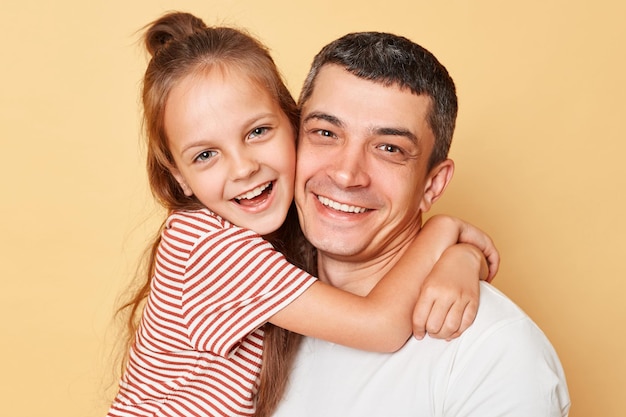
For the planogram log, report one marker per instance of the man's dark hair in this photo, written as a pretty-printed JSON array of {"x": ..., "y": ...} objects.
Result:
[{"x": 394, "y": 60}]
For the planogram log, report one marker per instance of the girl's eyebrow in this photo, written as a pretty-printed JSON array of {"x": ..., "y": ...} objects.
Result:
[{"x": 197, "y": 144}]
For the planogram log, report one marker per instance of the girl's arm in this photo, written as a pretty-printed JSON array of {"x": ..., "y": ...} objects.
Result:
[{"x": 381, "y": 321}]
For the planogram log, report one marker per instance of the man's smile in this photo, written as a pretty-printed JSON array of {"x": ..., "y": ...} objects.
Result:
[{"x": 340, "y": 206}]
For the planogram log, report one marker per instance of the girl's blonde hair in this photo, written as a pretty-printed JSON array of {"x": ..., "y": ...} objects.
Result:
[{"x": 181, "y": 44}]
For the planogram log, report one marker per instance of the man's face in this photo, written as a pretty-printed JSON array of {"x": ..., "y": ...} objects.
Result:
[{"x": 362, "y": 165}]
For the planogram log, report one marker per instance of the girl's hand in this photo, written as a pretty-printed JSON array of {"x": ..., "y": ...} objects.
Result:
[
  {"x": 474, "y": 236},
  {"x": 448, "y": 300}
]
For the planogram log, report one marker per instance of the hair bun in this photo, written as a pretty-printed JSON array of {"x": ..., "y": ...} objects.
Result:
[{"x": 172, "y": 26}]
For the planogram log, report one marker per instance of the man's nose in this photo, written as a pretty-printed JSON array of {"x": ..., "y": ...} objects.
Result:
[{"x": 349, "y": 167}]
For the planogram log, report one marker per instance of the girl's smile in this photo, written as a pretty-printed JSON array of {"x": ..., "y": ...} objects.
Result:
[{"x": 256, "y": 196}]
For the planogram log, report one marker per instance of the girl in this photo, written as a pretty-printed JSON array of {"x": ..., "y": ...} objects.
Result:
[{"x": 221, "y": 159}]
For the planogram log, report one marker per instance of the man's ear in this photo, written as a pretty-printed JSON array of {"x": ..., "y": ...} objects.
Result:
[
  {"x": 181, "y": 181},
  {"x": 438, "y": 179}
]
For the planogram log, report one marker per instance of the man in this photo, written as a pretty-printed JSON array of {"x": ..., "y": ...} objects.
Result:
[{"x": 378, "y": 114}]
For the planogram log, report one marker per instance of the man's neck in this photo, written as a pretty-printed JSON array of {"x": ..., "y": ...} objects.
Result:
[{"x": 359, "y": 276}]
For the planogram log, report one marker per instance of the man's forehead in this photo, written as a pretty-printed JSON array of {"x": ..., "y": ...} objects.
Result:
[
  {"x": 331, "y": 77},
  {"x": 339, "y": 97}
]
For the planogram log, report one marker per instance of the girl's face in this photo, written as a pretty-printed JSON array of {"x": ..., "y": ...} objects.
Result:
[{"x": 233, "y": 146}]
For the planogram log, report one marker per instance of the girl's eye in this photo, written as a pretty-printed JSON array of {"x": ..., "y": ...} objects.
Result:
[
  {"x": 258, "y": 131},
  {"x": 204, "y": 156}
]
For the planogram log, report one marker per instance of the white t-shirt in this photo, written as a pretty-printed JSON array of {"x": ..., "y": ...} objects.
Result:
[{"x": 503, "y": 365}]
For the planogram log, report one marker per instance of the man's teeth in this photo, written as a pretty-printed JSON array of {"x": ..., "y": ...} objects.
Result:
[
  {"x": 254, "y": 193},
  {"x": 340, "y": 207}
]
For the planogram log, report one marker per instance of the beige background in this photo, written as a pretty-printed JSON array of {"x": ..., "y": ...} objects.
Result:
[{"x": 539, "y": 151}]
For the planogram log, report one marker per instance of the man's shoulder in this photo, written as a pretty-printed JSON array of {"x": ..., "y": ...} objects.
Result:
[
  {"x": 499, "y": 325},
  {"x": 501, "y": 329},
  {"x": 502, "y": 360},
  {"x": 496, "y": 307},
  {"x": 499, "y": 318}
]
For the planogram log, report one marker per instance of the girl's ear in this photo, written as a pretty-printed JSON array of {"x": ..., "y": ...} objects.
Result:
[
  {"x": 436, "y": 183},
  {"x": 181, "y": 181}
]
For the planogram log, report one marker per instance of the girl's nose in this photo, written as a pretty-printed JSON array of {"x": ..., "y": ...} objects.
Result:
[{"x": 244, "y": 165}]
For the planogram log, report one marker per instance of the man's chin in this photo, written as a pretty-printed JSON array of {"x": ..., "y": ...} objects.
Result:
[{"x": 334, "y": 245}]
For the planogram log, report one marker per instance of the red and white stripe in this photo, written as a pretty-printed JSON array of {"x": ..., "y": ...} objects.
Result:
[{"x": 199, "y": 348}]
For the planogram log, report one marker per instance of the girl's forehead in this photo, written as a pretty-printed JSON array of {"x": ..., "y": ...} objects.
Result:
[
  {"x": 233, "y": 72},
  {"x": 204, "y": 102}
]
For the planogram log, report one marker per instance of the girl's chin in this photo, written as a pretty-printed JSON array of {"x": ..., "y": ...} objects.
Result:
[{"x": 264, "y": 227}]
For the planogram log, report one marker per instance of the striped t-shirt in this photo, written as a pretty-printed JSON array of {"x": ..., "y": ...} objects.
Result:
[{"x": 198, "y": 349}]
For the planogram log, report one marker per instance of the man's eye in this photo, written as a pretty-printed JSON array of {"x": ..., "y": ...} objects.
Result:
[
  {"x": 321, "y": 136},
  {"x": 204, "y": 156},
  {"x": 389, "y": 148},
  {"x": 325, "y": 133}
]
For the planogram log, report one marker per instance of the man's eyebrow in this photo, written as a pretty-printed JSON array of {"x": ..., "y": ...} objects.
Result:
[
  {"x": 379, "y": 131},
  {"x": 323, "y": 116},
  {"x": 392, "y": 131}
]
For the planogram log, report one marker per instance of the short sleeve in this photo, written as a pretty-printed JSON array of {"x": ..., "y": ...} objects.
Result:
[{"x": 234, "y": 282}]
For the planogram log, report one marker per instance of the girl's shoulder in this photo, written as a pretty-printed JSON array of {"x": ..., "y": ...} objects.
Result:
[
  {"x": 197, "y": 230},
  {"x": 201, "y": 221}
]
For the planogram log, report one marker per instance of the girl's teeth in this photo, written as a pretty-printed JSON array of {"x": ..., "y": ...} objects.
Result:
[
  {"x": 253, "y": 193},
  {"x": 340, "y": 207}
]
